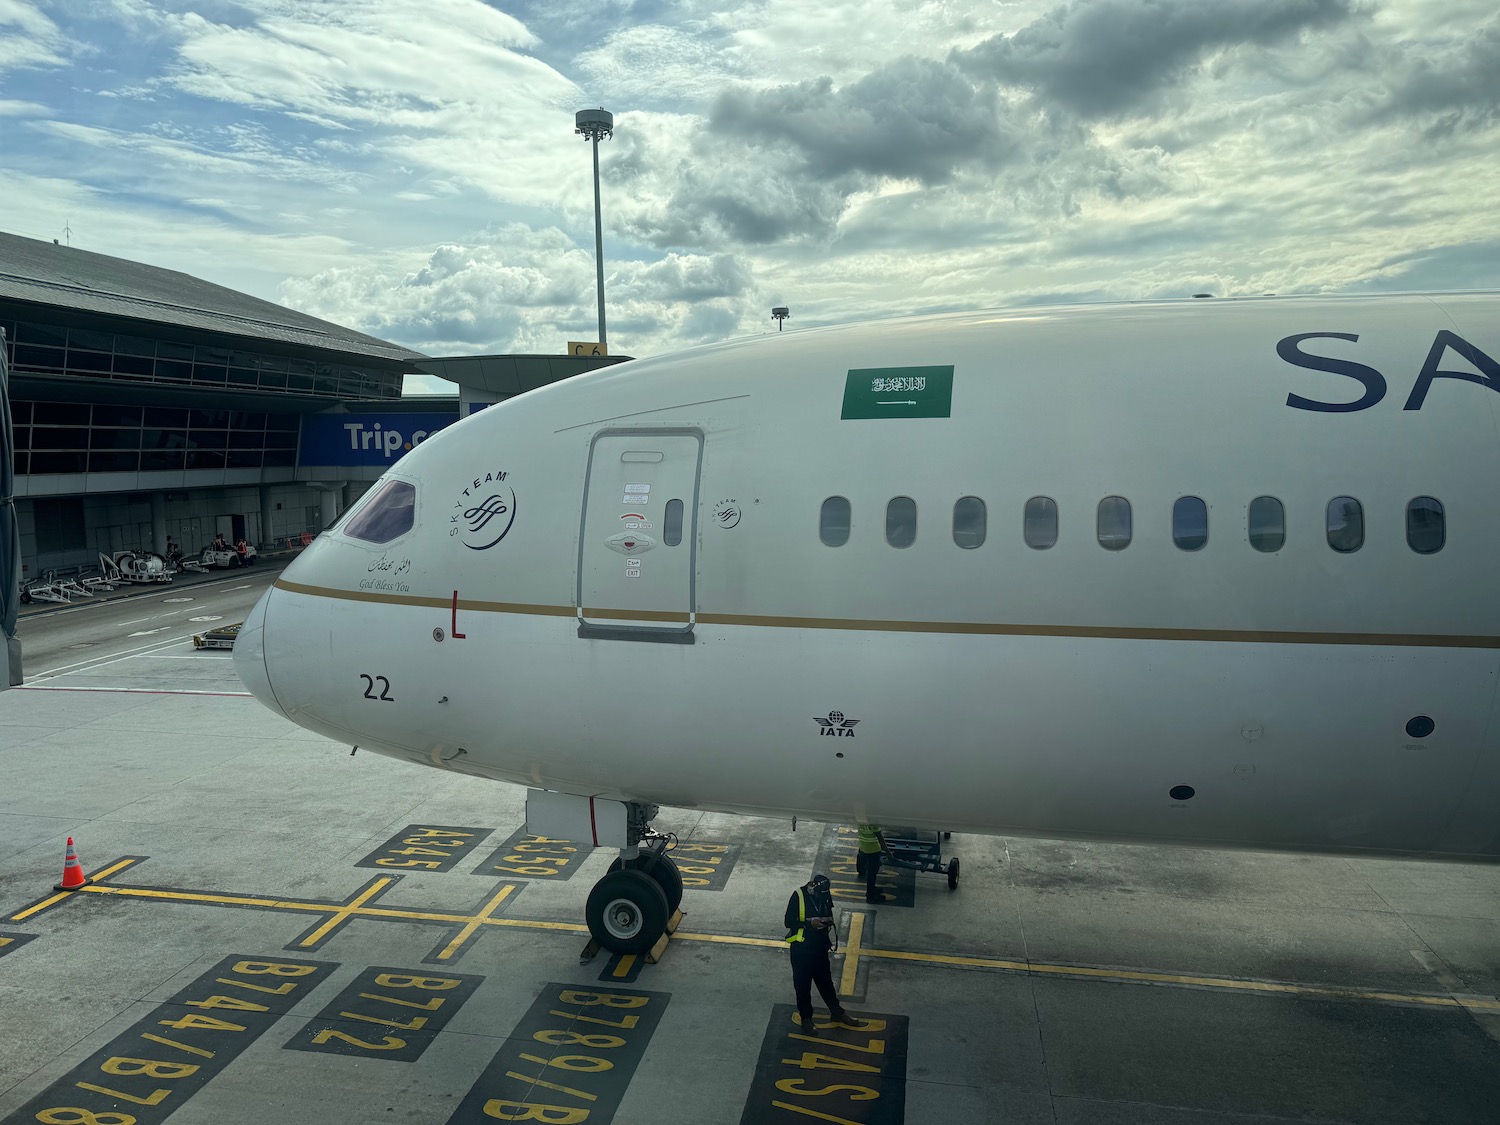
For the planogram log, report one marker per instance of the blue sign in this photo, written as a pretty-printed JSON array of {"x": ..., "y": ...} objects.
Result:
[{"x": 365, "y": 439}]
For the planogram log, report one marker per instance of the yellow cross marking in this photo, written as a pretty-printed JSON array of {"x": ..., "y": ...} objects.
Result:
[
  {"x": 343, "y": 914},
  {"x": 852, "y": 952},
  {"x": 474, "y": 923}
]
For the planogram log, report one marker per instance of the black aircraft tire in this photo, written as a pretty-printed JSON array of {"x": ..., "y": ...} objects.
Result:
[
  {"x": 953, "y": 873},
  {"x": 667, "y": 877},
  {"x": 25, "y": 597},
  {"x": 626, "y": 912}
]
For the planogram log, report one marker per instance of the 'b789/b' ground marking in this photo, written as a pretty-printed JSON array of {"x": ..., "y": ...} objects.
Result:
[
  {"x": 569, "y": 1060},
  {"x": 146, "y": 1073}
]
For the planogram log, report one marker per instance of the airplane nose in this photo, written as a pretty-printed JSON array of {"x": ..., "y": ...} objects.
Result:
[{"x": 250, "y": 655}]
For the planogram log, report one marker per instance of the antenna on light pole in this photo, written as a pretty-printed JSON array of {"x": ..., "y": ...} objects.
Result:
[
  {"x": 780, "y": 313},
  {"x": 592, "y": 124}
]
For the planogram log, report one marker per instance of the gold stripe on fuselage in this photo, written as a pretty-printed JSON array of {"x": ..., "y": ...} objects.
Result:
[{"x": 975, "y": 628}]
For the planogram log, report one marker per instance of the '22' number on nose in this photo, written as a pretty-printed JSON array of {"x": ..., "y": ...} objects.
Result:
[{"x": 385, "y": 687}]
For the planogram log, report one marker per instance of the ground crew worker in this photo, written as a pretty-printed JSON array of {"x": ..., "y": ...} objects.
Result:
[
  {"x": 809, "y": 919},
  {"x": 867, "y": 862}
]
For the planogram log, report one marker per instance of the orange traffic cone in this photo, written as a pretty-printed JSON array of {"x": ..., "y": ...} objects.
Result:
[{"x": 73, "y": 876}]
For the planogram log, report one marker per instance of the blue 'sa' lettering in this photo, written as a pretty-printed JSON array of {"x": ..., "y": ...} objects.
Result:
[{"x": 1373, "y": 382}]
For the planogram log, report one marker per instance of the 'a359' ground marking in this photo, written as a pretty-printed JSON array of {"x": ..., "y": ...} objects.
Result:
[
  {"x": 146, "y": 1073},
  {"x": 569, "y": 1060},
  {"x": 524, "y": 856}
]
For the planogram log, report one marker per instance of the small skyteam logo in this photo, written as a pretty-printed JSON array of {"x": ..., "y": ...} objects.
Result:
[
  {"x": 484, "y": 512},
  {"x": 836, "y": 726}
]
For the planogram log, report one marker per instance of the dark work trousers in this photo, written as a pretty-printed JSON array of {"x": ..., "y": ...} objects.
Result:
[
  {"x": 868, "y": 865},
  {"x": 810, "y": 966}
]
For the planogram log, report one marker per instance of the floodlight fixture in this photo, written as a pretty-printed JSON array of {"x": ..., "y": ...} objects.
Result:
[{"x": 780, "y": 313}]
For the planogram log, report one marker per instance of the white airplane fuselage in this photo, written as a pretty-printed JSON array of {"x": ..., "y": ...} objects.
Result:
[{"x": 1224, "y": 695}]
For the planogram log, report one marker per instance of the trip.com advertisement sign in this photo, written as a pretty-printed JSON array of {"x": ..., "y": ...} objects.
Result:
[{"x": 365, "y": 439}]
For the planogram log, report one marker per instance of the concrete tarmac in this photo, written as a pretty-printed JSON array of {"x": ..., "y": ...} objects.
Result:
[{"x": 279, "y": 931}]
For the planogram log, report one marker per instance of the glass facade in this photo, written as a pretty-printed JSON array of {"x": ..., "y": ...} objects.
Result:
[
  {"x": 76, "y": 437},
  {"x": 47, "y": 349}
]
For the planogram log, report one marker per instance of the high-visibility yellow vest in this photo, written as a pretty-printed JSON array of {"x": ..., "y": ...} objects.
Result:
[
  {"x": 801, "y": 918},
  {"x": 869, "y": 839}
]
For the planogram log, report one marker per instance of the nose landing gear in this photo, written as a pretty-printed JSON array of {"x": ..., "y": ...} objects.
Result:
[{"x": 631, "y": 908}]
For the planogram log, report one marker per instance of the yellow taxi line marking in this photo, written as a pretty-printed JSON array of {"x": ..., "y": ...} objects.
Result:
[
  {"x": 342, "y": 915},
  {"x": 854, "y": 949},
  {"x": 851, "y": 953},
  {"x": 729, "y": 939},
  {"x": 623, "y": 968},
  {"x": 473, "y": 924},
  {"x": 1173, "y": 978},
  {"x": 39, "y": 907}
]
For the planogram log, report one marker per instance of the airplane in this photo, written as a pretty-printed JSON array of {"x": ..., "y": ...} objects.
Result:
[{"x": 1202, "y": 572}]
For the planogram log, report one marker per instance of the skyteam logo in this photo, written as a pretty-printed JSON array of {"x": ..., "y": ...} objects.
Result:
[{"x": 484, "y": 512}]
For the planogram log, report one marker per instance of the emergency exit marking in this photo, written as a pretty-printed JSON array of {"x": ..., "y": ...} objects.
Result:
[
  {"x": 387, "y": 1013},
  {"x": 425, "y": 847},
  {"x": 854, "y": 1073},
  {"x": 170, "y": 1054},
  {"x": 571, "y": 1057}
]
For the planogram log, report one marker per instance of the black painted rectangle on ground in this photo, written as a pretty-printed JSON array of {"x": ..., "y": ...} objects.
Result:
[
  {"x": 705, "y": 865},
  {"x": 426, "y": 847},
  {"x": 148, "y": 1072},
  {"x": 854, "y": 1074},
  {"x": 571, "y": 1057},
  {"x": 386, "y": 1013},
  {"x": 9, "y": 943},
  {"x": 837, "y": 858},
  {"x": 524, "y": 856}
]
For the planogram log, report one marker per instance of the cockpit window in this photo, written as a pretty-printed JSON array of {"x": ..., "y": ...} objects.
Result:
[{"x": 387, "y": 516}]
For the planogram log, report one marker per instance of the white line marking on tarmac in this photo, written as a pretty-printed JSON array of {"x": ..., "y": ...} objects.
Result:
[
  {"x": 100, "y": 661},
  {"x": 136, "y": 690}
]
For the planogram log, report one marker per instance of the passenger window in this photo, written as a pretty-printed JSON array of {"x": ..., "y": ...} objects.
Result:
[
  {"x": 671, "y": 526},
  {"x": 901, "y": 522},
  {"x": 1041, "y": 522},
  {"x": 969, "y": 522},
  {"x": 1189, "y": 523},
  {"x": 1346, "y": 524},
  {"x": 388, "y": 515},
  {"x": 1267, "y": 524},
  {"x": 1114, "y": 523},
  {"x": 1426, "y": 527},
  {"x": 833, "y": 522}
]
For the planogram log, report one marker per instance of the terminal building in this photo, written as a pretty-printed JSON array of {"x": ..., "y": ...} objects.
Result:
[{"x": 148, "y": 404}]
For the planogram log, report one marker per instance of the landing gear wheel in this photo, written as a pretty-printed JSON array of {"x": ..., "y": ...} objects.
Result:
[
  {"x": 953, "y": 873},
  {"x": 626, "y": 912},
  {"x": 664, "y": 871},
  {"x": 25, "y": 597}
]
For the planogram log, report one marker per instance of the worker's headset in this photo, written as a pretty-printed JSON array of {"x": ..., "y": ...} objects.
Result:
[{"x": 820, "y": 897}]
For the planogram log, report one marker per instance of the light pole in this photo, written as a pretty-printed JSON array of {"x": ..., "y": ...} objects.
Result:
[
  {"x": 780, "y": 313},
  {"x": 592, "y": 124}
]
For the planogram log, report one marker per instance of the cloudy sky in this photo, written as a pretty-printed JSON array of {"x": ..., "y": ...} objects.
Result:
[{"x": 408, "y": 167}]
